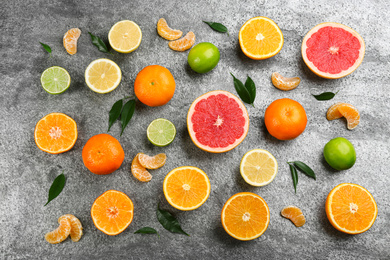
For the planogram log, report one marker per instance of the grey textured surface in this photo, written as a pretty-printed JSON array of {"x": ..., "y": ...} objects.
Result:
[{"x": 27, "y": 172}]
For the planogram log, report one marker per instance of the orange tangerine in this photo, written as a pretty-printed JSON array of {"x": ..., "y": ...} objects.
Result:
[
  {"x": 184, "y": 43},
  {"x": 166, "y": 32},
  {"x": 138, "y": 171},
  {"x": 61, "y": 233},
  {"x": 348, "y": 111},
  {"x": 284, "y": 83},
  {"x": 152, "y": 162},
  {"x": 294, "y": 214},
  {"x": 70, "y": 40}
]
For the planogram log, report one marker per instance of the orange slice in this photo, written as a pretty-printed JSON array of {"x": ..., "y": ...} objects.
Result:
[
  {"x": 294, "y": 214},
  {"x": 152, "y": 162},
  {"x": 245, "y": 216},
  {"x": 348, "y": 111},
  {"x": 138, "y": 171},
  {"x": 112, "y": 212},
  {"x": 61, "y": 233},
  {"x": 55, "y": 133},
  {"x": 351, "y": 208},
  {"x": 166, "y": 32},
  {"x": 284, "y": 83},
  {"x": 186, "y": 188},
  {"x": 260, "y": 38},
  {"x": 184, "y": 43},
  {"x": 70, "y": 40},
  {"x": 76, "y": 230}
]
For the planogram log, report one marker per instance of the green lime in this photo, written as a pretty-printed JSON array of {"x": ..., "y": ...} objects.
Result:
[
  {"x": 203, "y": 57},
  {"x": 161, "y": 132},
  {"x": 55, "y": 80},
  {"x": 340, "y": 153}
]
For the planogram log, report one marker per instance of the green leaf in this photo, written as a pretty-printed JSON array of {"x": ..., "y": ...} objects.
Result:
[
  {"x": 241, "y": 90},
  {"x": 305, "y": 169},
  {"x": 325, "y": 96},
  {"x": 56, "y": 187},
  {"x": 294, "y": 175},
  {"x": 251, "y": 87},
  {"x": 127, "y": 113},
  {"x": 147, "y": 230},
  {"x": 99, "y": 43},
  {"x": 217, "y": 27},
  {"x": 169, "y": 222},
  {"x": 46, "y": 47},
  {"x": 114, "y": 113}
]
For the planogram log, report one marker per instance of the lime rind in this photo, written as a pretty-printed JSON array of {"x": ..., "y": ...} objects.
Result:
[
  {"x": 161, "y": 132},
  {"x": 55, "y": 80}
]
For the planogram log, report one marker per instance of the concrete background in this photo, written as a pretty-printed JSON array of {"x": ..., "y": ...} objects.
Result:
[{"x": 27, "y": 172}]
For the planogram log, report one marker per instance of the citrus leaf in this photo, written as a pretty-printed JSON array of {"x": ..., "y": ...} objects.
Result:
[
  {"x": 147, "y": 230},
  {"x": 217, "y": 27},
  {"x": 99, "y": 43},
  {"x": 169, "y": 222},
  {"x": 302, "y": 167},
  {"x": 56, "y": 187},
  {"x": 127, "y": 113},
  {"x": 241, "y": 90},
  {"x": 114, "y": 113},
  {"x": 325, "y": 96},
  {"x": 251, "y": 87},
  {"x": 294, "y": 175},
  {"x": 46, "y": 47}
]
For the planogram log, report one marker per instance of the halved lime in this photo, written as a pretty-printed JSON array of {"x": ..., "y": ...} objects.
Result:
[
  {"x": 161, "y": 132},
  {"x": 55, "y": 80}
]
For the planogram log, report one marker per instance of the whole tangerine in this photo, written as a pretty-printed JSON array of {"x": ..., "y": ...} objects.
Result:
[
  {"x": 154, "y": 85},
  {"x": 285, "y": 119},
  {"x": 103, "y": 154}
]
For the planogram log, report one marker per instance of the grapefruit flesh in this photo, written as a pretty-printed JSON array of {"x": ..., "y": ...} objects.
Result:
[
  {"x": 217, "y": 121},
  {"x": 332, "y": 50}
]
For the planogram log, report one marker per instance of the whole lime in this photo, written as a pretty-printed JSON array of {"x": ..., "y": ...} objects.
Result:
[
  {"x": 340, "y": 154},
  {"x": 203, "y": 57}
]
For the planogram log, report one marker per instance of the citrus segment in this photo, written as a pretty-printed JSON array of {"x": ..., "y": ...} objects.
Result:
[
  {"x": 125, "y": 36},
  {"x": 351, "y": 208},
  {"x": 258, "y": 167},
  {"x": 112, "y": 212},
  {"x": 55, "y": 80},
  {"x": 332, "y": 50},
  {"x": 294, "y": 214},
  {"x": 138, "y": 171},
  {"x": 61, "y": 233},
  {"x": 161, "y": 132},
  {"x": 348, "y": 111},
  {"x": 166, "y": 32},
  {"x": 152, "y": 162},
  {"x": 184, "y": 43},
  {"x": 245, "y": 216},
  {"x": 186, "y": 188},
  {"x": 76, "y": 230},
  {"x": 260, "y": 38},
  {"x": 103, "y": 75},
  {"x": 55, "y": 133},
  {"x": 70, "y": 40},
  {"x": 284, "y": 83},
  {"x": 217, "y": 121}
]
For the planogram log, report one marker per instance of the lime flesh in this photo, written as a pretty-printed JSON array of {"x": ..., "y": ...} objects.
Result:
[
  {"x": 161, "y": 132},
  {"x": 55, "y": 80}
]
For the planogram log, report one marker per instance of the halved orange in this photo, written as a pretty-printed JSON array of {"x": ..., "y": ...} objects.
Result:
[
  {"x": 112, "y": 212},
  {"x": 350, "y": 208},
  {"x": 348, "y": 111},
  {"x": 70, "y": 40},
  {"x": 184, "y": 43},
  {"x": 55, "y": 133},
  {"x": 61, "y": 233},
  {"x": 260, "y": 38},
  {"x": 166, "y": 32},
  {"x": 138, "y": 171},
  {"x": 152, "y": 162},
  {"x": 284, "y": 83},
  {"x": 245, "y": 216},
  {"x": 76, "y": 230},
  {"x": 294, "y": 214},
  {"x": 186, "y": 188}
]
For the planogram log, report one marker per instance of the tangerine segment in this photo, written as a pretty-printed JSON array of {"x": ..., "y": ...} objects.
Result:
[
  {"x": 166, "y": 32},
  {"x": 245, "y": 216},
  {"x": 112, "y": 212},
  {"x": 184, "y": 43},
  {"x": 186, "y": 188},
  {"x": 348, "y": 111},
  {"x": 350, "y": 208},
  {"x": 61, "y": 233},
  {"x": 138, "y": 171},
  {"x": 294, "y": 214},
  {"x": 284, "y": 83},
  {"x": 55, "y": 133},
  {"x": 152, "y": 162},
  {"x": 70, "y": 40},
  {"x": 260, "y": 38},
  {"x": 76, "y": 230}
]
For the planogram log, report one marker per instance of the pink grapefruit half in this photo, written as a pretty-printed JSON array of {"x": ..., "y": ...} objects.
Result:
[
  {"x": 332, "y": 50},
  {"x": 217, "y": 121}
]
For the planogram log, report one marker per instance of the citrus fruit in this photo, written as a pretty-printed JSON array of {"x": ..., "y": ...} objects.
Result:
[
  {"x": 76, "y": 229},
  {"x": 103, "y": 154},
  {"x": 285, "y": 119},
  {"x": 112, "y": 212},
  {"x": 55, "y": 80},
  {"x": 348, "y": 111},
  {"x": 55, "y": 133},
  {"x": 166, "y": 32},
  {"x": 161, "y": 132},
  {"x": 350, "y": 208},
  {"x": 258, "y": 167},
  {"x": 294, "y": 214},
  {"x": 103, "y": 75},
  {"x": 184, "y": 43},
  {"x": 154, "y": 85},
  {"x": 332, "y": 50},
  {"x": 340, "y": 154},
  {"x": 186, "y": 188},
  {"x": 245, "y": 216},
  {"x": 152, "y": 162},
  {"x": 284, "y": 83},
  {"x": 217, "y": 121},
  {"x": 260, "y": 38},
  {"x": 125, "y": 36},
  {"x": 70, "y": 40},
  {"x": 139, "y": 171},
  {"x": 61, "y": 233},
  {"x": 203, "y": 57}
]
